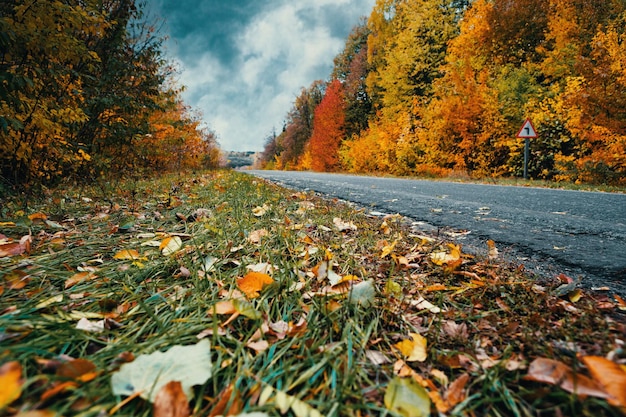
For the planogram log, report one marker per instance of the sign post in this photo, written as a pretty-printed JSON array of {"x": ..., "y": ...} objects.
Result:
[{"x": 527, "y": 132}]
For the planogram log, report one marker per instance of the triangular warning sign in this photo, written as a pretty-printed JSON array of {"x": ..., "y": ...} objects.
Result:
[{"x": 527, "y": 130}]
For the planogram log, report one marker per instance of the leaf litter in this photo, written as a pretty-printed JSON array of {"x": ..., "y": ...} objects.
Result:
[{"x": 297, "y": 304}]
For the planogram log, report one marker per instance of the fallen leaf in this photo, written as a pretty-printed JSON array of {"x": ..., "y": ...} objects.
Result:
[
  {"x": 37, "y": 217},
  {"x": 11, "y": 249},
  {"x": 259, "y": 211},
  {"x": 343, "y": 226},
  {"x": 81, "y": 370},
  {"x": 414, "y": 349},
  {"x": 423, "y": 304},
  {"x": 58, "y": 389},
  {"x": 444, "y": 257},
  {"x": 223, "y": 307},
  {"x": 228, "y": 404},
  {"x": 388, "y": 249},
  {"x": 284, "y": 402},
  {"x": 16, "y": 279},
  {"x": 147, "y": 374},
  {"x": 253, "y": 282},
  {"x": 493, "y": 251},
  {"x": 621, "y": 303},
  {"x": 407, "y": 398},
  {"x": 456, "y": 391},
  {"x": 11, "y": 383},
  {"x": 363, "y": 293},
  {"x": 258, "y": 345},
  {"x": 90, "y": 326},
  {"x": 611, "y": 377},
  {"x": 256, "y": 236},
  {"x": 78, "y": 278},
  {"x": 171, "y": 401},
  {"x": 575, "y": 295},
  {"x": 557, "y": 373},
  {"x": 170, "y": 245},
  {"x": 126, "y": 254}
]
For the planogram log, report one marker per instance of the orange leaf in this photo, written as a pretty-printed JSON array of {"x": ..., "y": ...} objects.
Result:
[
  {"x": 611, "y": 377},
  {"x": 171, "y": 401},
  {"x": 253, "y": 282},
  {"x": 11, "y": 383},
  {"x": 125, "y": 254},
  {"x": 38, "y": 217},
  {"x": 79, "y": 277},
  {"x": 557, "y": 373},
  {"x": 17, "y": 279},
  {"x": 436, "y": 287},
  {"x": 227, "y": 405},
  {"x": 57, "y": 389},
  {"x": 455, "y": 393}
]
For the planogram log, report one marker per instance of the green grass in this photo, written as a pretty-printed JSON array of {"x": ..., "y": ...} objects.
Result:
[{"x": 494, "y": 320}]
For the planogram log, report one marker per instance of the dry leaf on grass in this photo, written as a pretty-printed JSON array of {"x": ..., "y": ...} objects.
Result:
[
  {"x": 171, "y": 401},
  {"x": 11, "y": 383},
  {"x": 253, "y": 282},
  {"x": 557, "y": 373},
  {"x": 611, "y": 376},
  {"x": 414, "y": 349}
]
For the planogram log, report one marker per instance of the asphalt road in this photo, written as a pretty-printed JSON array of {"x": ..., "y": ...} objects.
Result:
[{"x": 581, "y": 234}]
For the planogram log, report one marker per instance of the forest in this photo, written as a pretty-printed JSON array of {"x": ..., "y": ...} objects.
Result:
[
  {"x": 440, "y": 88},
  {"x": 86, "y": 92}
]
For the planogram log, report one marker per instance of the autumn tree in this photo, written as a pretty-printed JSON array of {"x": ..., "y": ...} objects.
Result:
[
  {"x": 41, "y": 97},
  {"x": 407, "y": 47},
  {"x": 328, "y": 129},
  {"x": 289, "y": 146},
  {"x": 351, "y": 68},
  {"x": 80, "y": 84}
]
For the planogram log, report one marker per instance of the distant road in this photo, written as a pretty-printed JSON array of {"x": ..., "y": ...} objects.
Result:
[{"x": 581, "y": 234}]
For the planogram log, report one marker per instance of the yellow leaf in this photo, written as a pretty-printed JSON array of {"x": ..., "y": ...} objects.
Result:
[
  {"x": 260, "y": 211},
  {"x": 171, "y": 245},
  {"x": 10, "y": 381},
  {"x": 575, "y": 295},
  {"x": 253, "y": 282},
  {"x": 443, "y": 257},
  {"x": 414, "y": 349},
  {"x": 125, "y": 254},
  {"x": 388, "y": 249}
]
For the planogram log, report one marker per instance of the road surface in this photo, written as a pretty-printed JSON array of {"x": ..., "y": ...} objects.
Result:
[{"x": 581, "y": 234}]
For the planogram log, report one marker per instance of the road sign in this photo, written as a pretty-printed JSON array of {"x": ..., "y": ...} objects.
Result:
[{"x": 527, "y": 130}]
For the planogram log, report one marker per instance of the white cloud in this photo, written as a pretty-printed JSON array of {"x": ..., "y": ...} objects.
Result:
[{"x": 285, "y": 47}]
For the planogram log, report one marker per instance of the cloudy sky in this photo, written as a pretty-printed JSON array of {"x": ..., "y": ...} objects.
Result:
[{"x": 244, "y": 61}]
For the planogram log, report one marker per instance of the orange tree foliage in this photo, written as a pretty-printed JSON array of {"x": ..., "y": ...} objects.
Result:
[
  {"x": 80, "y": 82},
  {"x": 328, "y": 129},
  {"x": 449, "y": 83}
]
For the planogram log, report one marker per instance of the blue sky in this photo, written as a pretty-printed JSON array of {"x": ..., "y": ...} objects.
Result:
[{"x": 244, "y": 62}]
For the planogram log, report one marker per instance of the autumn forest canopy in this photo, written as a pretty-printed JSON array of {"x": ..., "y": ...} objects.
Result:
[
  {"x": 86, "y": 92},
  {"x": 437, "y": 88}
]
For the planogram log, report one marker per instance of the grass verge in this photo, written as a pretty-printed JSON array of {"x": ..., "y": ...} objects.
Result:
[{"x": 310, "y": 306}]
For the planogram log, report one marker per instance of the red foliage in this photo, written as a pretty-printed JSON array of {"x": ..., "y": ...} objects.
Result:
[{"x": 328, "y": 129}]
